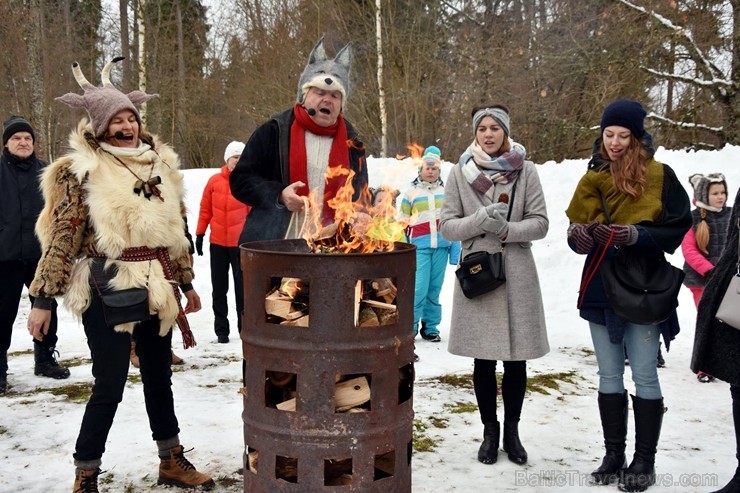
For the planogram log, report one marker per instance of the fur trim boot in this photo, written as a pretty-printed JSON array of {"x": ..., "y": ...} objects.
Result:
[
  {"x": 648, "y": 421},
  {"x": 488, "y": 451},
  {"x": 86, "y": 481},
  {"x": 512, "y": 445},
  {"x": 45, "y": 363},
  {"x": 613, "y": 409},
  {"x": 176, "y": 470}
]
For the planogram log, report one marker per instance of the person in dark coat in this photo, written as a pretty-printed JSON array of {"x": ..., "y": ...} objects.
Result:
[
  {"x": 289, "y": 155},
  {"x": 626, "y": 200},
  {"x": 20, "y": 204},
  {"x": 716, "y": 344}
]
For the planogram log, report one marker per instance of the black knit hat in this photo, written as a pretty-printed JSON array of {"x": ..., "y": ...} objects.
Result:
[
  {"x": 16, "y": 124},
  {"x": 625, "y": 113}
]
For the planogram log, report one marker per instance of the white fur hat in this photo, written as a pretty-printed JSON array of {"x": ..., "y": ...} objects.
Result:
[
  {"x": 235, "y": 148},
  {"x": 325, "y": 73}
]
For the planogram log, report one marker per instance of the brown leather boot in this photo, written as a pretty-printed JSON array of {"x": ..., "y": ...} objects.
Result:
[
  {"x": 176, "y": 470},
  {"x": 176, "y": 360},
  {"x": 134, "y": 358},
  {"x": 86, "y": 481}
]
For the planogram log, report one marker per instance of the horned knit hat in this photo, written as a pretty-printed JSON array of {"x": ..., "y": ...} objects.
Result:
[
  {"x": 625, "y": 113},
  {"x": 103, "y": 103},
  {"x": 235, "y": 148},
  {"x": 432, "y": 157},
  {"x": 16, "y": 124},
  {"x": 701, "y": 184},
  {"x": 325, "y": 73}
]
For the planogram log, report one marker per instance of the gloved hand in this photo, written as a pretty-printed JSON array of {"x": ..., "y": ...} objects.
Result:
[
  {"x": 500, "y": 223},
  {"x": 624, "y": 234},
  {"x": 500, "y": 207},
  {"x": 199, "y": 244},
  {"x": 581, "y": 236},
  {"x": 496, "y": 224}
]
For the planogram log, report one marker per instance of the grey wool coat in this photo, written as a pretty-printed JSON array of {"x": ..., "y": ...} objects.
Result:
[{"x": 507, "y": 324}]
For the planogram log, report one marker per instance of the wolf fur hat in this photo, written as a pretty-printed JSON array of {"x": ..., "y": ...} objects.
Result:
[
  {"x": 102, "y": 103},
  {"x": 325, "y": 73},
  {"x": 701, "y": 184}
]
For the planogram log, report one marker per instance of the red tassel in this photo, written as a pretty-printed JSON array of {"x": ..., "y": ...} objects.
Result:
[{"x": 188, "y": 339}]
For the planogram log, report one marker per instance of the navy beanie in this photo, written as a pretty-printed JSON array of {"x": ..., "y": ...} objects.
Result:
[
  {"x": 625, "y": 113},
  {"x": 16, "y": 124}
]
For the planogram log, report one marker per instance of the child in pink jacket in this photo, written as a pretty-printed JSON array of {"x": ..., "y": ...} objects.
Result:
[{"x": 704, "y": 242}]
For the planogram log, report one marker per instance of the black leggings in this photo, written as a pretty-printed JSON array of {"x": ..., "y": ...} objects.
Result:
[{"x": 513, "y": 387}]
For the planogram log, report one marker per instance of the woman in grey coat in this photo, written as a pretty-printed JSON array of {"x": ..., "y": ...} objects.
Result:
[{"x": 491, "y": 180}]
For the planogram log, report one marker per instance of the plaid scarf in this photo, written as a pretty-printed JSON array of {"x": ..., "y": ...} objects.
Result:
[
  {"x": 338, "y": 155},
  {"x": 482, "y": 170}
]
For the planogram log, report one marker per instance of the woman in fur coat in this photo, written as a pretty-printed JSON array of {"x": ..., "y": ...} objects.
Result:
[
  {"x": 716, "y": 344},
  {"x": 494, "y": 197},
  {"x": 626, "y": 200},
  {"x": 113, "y": 220}
]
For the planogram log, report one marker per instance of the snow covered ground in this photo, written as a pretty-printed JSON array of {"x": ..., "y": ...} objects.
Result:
[{"x": 559, "y": 429}]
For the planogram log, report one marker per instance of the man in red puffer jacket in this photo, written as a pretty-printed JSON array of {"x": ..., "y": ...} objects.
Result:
[{"x": 226, "y": 216}]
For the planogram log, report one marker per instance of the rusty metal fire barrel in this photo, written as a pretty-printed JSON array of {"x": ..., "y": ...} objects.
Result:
[{"x": 329, "y": 401}]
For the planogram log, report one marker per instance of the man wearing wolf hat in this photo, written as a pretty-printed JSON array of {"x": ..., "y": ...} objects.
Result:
[{"x": 290, "y": 153}]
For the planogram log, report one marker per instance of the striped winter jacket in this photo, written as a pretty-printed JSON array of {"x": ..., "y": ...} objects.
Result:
[{"x": 422, "y": 204}]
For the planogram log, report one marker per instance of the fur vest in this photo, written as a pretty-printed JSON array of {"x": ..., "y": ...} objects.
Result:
[{"x": 91, "y": 210}]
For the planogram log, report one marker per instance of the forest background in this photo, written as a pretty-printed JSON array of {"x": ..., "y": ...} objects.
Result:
[{"x": 223, "y": 67}]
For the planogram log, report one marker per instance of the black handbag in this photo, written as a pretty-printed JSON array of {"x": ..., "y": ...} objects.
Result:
[
  {"x": 480, "y": 273},
  {"x": 639, "y": 288},
  {"x": 121, "y": 306}
]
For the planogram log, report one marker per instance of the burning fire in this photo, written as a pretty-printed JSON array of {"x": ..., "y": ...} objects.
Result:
[{"x": 366, "y": 225}]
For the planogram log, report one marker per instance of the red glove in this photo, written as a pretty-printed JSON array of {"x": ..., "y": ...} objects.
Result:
[
  {"x": 580, "y": 236},
  {"x": 623, "y": 234}
]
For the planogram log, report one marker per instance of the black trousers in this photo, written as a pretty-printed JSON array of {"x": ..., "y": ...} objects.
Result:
[
  {"x": 223, "y": 258},
  {"x": 110, "y": 356},
  {"x": 15, "y": 274},
  {"x": 513, "y": 387}
]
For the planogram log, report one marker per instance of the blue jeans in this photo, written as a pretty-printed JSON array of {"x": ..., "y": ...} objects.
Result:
[{"x": 642, "y": 343}]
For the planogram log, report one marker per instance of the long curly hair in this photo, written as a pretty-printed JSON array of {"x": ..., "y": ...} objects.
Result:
[{"x": 629, "y": 172}]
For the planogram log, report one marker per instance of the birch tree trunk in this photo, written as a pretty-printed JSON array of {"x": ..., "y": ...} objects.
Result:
[
  {"x": 381, "y": 90},
  {"x": 36, "y": 69},
  {"x": 142, "y": 57},
  {"x": 125, "y": 44}
]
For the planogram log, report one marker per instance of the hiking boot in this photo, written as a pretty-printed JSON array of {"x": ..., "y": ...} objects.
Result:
[
  {"x": 46, "y": 363},
  {"x": 431, "y": 337},
  {"x": 176, "y": 360},
  {"x": 176, "y": 470},
  {"x": 86, "y": 481},
  {"x": 704, "y": 377}
]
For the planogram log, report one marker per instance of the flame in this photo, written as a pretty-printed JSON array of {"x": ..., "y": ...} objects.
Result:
[
  {"x": 366, "y": 225},
  {"x": 359, "y": 226}
]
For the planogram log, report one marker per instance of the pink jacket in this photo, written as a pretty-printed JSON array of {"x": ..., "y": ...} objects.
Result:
[
  {"x": 222, "y": 211},
  {"x": 693, "y": 255}
]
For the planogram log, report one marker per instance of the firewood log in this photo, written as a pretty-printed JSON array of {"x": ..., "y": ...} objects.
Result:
[
  {"x": 297, "y": 322},
  {"x": 368, "y": 318}
]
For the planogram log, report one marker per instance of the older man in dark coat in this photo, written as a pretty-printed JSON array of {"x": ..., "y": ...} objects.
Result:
[{"x": 20, "y": 204}]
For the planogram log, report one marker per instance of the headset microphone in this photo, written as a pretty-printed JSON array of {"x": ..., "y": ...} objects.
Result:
[
  {"x": 311, "y": 111},
  {"x": 119, "y": 135}
]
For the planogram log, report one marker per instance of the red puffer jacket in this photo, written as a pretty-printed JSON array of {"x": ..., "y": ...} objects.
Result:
[{"x": 222, "y": 211}]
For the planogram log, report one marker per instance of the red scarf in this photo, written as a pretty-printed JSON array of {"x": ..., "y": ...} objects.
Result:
[{"x": 338, "y": 155}]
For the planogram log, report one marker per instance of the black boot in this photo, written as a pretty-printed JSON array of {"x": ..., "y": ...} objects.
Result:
[
  {"x": 512, "y": 445},
  {"x": 3, "y": 372},
  {"x": 46, "y": 363},
  {"x": 488, "y": 451},
  {"x": 648, "y": 420},
  {"x": 613, "y": 410}
]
